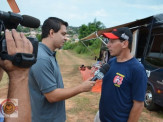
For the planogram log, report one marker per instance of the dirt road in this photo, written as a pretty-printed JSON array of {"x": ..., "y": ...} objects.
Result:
[{"x": 83, "y": 107}]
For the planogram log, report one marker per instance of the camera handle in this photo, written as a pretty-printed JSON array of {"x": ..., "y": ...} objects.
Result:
[{"x": 22, "y": 60}]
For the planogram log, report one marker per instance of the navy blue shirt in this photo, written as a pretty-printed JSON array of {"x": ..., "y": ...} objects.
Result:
[{"x": 123, "y": 83}]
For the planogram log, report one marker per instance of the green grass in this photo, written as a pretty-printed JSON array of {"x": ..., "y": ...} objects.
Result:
[
  {"x": 83, "y": 56},
  {"x": 142, "y": 119},
  {"x": 82, "y": 105},
  {"x": 157, "y": 114},
  {"x": 89, "y": 59}
]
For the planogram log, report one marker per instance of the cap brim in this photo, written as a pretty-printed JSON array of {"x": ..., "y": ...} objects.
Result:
[{"x": 110, "y": 36}]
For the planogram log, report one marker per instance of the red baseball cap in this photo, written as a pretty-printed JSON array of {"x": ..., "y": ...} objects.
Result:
[{"x": 123, "y": 33}]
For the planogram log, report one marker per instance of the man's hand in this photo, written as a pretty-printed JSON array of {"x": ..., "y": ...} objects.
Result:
[
  {"x": 16, "y": 43},
  {"x": 87, "y": 85}
]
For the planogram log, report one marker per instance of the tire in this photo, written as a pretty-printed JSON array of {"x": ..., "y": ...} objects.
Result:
[{"x": 149, "y": 99}]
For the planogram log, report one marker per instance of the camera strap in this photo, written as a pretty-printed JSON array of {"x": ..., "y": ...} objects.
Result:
[{"x": 22, "y": 60}]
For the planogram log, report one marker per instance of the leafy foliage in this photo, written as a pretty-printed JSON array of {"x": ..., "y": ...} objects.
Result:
[
  {"x": 86, "y": 30},
  {"x": 38, "y": 36},
  {"x": 23, "y": 29},
  {"x": 91, "y": 46}
]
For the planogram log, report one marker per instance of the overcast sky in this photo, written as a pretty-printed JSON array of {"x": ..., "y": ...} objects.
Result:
[{"x": 78, "y": 12}]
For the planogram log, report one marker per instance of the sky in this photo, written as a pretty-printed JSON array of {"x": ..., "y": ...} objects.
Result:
[{"x": 78, "y": 12}]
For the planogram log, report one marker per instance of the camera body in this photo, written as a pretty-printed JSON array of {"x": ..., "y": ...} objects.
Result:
[{"x": 9, "y": 20}]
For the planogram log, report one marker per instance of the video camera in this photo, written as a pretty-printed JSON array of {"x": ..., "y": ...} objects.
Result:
[{"x": 10, "y": 20}]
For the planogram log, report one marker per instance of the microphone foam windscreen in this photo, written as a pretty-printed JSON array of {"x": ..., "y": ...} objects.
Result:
[
  {"x": 106, "y": 67},
  {"x": 29, "y": 21},
  {"x": 102, "y": 70}
]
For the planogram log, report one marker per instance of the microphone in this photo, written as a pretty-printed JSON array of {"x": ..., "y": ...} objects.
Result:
[
  {"x": 29, "y": 21},
  {"x": 12, "y": 20},
  {"x": 101, "y": 72}
]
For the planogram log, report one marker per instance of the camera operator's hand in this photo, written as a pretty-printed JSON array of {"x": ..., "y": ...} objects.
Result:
[
  {"x": 16, "y": 43},
  {"x": 18, "y": 77}
]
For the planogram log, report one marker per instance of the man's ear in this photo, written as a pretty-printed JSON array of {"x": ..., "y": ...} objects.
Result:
[
  {"x": 51, "y": 32},
  {"x": 125, "y": 44}
]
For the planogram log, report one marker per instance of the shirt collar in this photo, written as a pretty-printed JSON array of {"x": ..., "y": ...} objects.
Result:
[{"x": 51, "y": 53}]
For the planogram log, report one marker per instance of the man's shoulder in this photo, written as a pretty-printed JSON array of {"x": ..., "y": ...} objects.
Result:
[
  {"x": 113, "y": 59},
  {"x": 136, "y": 65},
  {"x": 42, "y": 54},
  {"x": 43, "y": 59},
  {"x": 41, "y": 64}
]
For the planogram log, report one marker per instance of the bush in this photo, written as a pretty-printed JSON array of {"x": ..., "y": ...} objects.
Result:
[
  {"x": 69, "y": 45},
  {"x": 38, "y": 36},
  {"x": 79, "y": 48}
]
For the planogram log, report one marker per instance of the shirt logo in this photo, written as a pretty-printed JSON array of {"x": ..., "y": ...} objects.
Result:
[
  {"x": 118, "y": 79},
  {"x": 8, "y": 108}
]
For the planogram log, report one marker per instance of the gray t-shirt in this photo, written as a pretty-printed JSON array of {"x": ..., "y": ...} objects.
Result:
[{"x": 44, "y": 77}]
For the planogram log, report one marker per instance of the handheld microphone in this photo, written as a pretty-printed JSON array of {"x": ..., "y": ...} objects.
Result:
[
  {"x": 12, "y": 20},
  {"x": 101, "y": 72}
]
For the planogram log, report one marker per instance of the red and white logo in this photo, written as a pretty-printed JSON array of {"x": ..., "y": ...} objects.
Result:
[
  {"x": 8, "y": 108},
  {"x": 118, "y": 79}
]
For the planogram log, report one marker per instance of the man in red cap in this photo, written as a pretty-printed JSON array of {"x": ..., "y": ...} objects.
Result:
[{"x": 124, "y": 85}]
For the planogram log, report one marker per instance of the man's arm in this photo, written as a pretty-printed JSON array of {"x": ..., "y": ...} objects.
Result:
[
  {"x": 18, "y": 77},
  {"x": 1, "y": 73},
  {"x": 65, "y": 93},
  {"x": 18, "y": 89},
  {"x": 136, "y": 111}
]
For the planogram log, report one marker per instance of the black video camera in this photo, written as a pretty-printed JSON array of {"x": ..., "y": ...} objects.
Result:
[{"x": 10, "y": 20}]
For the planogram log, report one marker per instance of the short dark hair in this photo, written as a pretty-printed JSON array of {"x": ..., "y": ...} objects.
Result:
[
  {"x": 52, "y": 23},
  {"x": 129, "y": 44}
]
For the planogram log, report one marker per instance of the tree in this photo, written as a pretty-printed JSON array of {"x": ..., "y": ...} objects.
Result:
[
  {"x": 38, "y": 36},
  {"x": 22, "y": 29},
  {"x": 85, "y": 30}
]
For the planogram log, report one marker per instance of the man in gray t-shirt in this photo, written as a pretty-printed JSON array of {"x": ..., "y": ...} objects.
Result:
[{"x": 46, "y": 87}]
